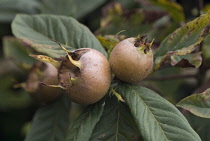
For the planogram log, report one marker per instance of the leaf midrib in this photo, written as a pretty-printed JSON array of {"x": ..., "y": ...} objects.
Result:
[{"x": 150, "y": 112}]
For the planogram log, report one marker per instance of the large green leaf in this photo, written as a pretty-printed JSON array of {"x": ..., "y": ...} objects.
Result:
[
  {"x": 15, "y": 50},
  {"x": 200, "y": 125},
  {"x": 9, "y": 8},
  {"x": 157, "y": 119},
  {"x": 198, "y": 104},
  {"x": 83, "y": 127},
  {"x": 37, "y": 31},
  {"x": 116, "y": 123},
  {"x": 109, "y": 120},
  {"x": 50, "y": 122},
  {"x": 183, "y": 40}
]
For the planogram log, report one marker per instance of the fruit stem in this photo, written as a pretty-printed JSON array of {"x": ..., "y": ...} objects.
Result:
[{"x": 119, "y": 97}]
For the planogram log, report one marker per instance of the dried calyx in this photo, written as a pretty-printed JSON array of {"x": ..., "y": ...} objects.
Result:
[
  {"x": 70, "y": 68},
  {"x": 141, "y": 43}
]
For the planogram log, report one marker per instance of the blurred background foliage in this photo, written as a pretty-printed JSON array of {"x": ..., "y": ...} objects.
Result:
[{"x": 105, "y": 18}]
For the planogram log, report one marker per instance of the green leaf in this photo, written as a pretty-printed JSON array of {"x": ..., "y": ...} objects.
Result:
[
  {"x": 183, "y": 40},
  {"x": 14, "y": 49},
  {"x": 201, "y": 125},
  {"x": 174, "y": 9},
  {"x": 37, "y": 31},
  {"x": 9, "y": 8},
  {"x": 116, "y": 123},
  {"x": 50, "y": 122},
  {"x": 107, "y": 43},
  {"x": 83, "y": 127},
  {"x": 157, "y": 119},
  {"x": 198, "y": 104}
]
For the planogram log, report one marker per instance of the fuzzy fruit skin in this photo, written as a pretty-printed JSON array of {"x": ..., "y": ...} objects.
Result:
[
  {"x": 130, "y": 64},
  {"x": 46, "y": 73},
  {"x": 92, "y": 80}
]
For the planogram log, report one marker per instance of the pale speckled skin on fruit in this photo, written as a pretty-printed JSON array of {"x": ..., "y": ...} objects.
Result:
[
  {"x": 46, "y": 73},
  {"x": 128, "y": 63},
  {"x": 92, "y": 80}
]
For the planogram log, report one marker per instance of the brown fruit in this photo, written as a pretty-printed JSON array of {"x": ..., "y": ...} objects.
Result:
[
  {"x": 131, "y": 60},
  {"x": 86, "y": 76},
  {"x": 40, "y": 74}
]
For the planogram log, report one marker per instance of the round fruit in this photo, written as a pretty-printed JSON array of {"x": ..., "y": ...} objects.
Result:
[
  {"x": 41, "y": 75},
  {"x": 86, "y": 75},
  {"x": 131, "y": 60}
]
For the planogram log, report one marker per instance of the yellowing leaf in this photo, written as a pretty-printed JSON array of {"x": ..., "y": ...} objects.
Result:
[
  {"x": 183, "y": 40},
  {"x": 198, "y": 104}
]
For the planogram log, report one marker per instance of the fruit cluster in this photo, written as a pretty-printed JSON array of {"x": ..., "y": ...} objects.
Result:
[{"x": 85, "y": 74}]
